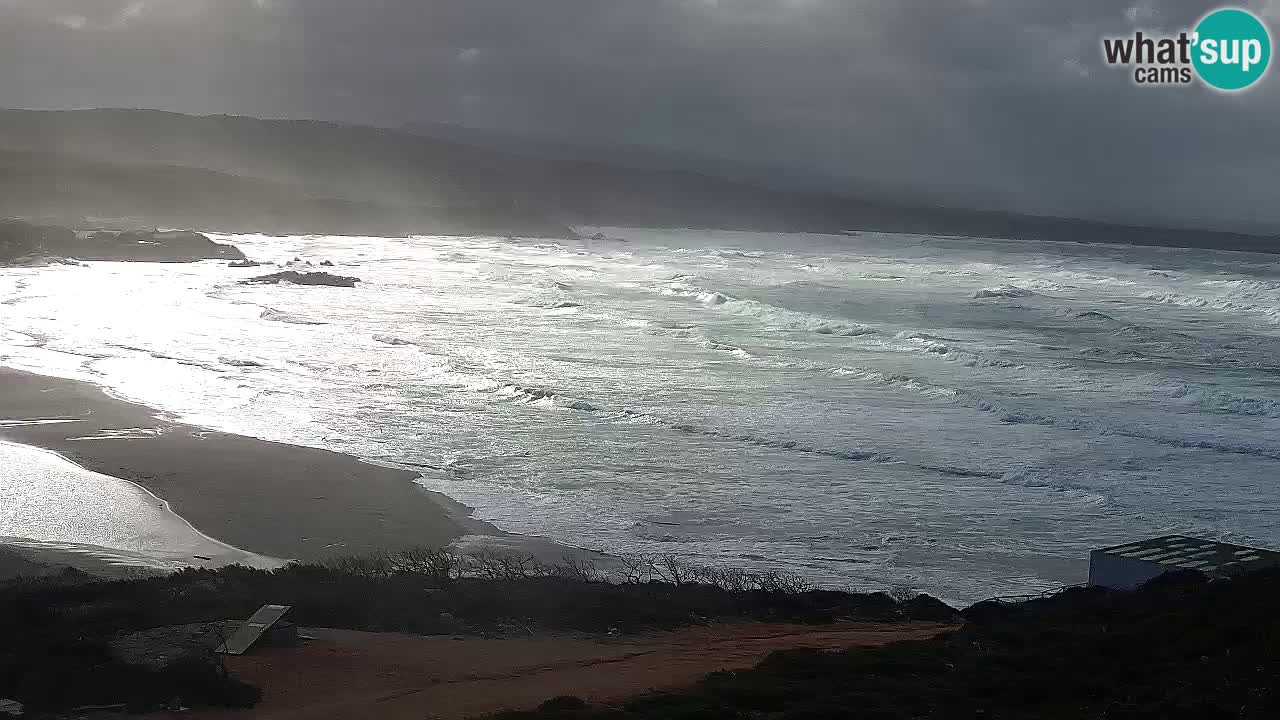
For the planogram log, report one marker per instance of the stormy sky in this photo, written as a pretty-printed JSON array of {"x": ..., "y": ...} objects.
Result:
[{"x": 999, "y": 103}]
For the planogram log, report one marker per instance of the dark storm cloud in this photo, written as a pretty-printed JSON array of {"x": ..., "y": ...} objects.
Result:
[{"x": 1001, "y": 102}]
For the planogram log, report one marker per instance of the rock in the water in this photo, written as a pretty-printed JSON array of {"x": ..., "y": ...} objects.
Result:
[
  {"x": 326, "y": 263},
  {"x": 298, "y": 278},
  {"x": 244, "y": 264}
]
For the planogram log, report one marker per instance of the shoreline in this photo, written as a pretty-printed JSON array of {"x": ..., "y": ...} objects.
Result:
[
  {"x": 273, "y": 499},
  {"x": 102, "y": 520}
]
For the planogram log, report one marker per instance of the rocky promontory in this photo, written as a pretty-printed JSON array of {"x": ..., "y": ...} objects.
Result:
[
  {"x": 154, "y": 246},
  {"x": 22, "y": 243}
]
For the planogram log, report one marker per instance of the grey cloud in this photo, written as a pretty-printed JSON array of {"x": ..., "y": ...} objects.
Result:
[{"x": 1002, "y": 102}]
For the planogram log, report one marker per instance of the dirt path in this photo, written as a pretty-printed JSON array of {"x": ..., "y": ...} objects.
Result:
[{"x": 347, "y": 674}]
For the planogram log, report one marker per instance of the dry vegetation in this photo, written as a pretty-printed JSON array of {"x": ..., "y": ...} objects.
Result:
[
  {"x": 1178, "y": 648},
  {"x": 58, "y": 630}
]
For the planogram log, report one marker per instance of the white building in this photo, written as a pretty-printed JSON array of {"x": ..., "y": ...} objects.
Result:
[{"x": 1127, "y": 566}]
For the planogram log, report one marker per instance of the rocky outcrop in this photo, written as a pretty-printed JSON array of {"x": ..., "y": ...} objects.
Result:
[
  {"x": 24, "y": 244},
  {"x": 299, "y": 278},
  {"x": 244, "y": 264},
  {"x": 154, "y": 246}
]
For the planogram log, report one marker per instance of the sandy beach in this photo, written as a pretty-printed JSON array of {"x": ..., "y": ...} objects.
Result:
[{"x": 267, "y": 498}]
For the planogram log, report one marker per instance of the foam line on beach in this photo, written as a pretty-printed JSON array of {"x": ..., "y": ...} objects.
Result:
[
  {"x": 85, "y": 509},
  {"x": 280, "y": 500}
]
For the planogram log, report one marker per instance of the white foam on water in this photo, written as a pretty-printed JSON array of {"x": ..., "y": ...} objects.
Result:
[{"x": 966, "y": 416}]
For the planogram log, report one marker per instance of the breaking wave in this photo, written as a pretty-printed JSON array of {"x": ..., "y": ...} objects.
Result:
[
  {"x": 278, "y": 316},
  {"x": 1015, "y": 415},
  {"x": 1220, "y": 401},
  {"x": 1004, "y": 291},
  {"x": 851, "y": 381},
  {"x": 551, "y": 398},
  {"x": 779, "y": 317},
  {"x": 1223, "y": 304},
  {"x": 392, "y": 340},
  {"x": 725, "y": 348}
]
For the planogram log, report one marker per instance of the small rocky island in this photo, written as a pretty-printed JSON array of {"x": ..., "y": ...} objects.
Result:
[
  {"x": 300, "y": 278},
  {"x": 22, "y": 243}
]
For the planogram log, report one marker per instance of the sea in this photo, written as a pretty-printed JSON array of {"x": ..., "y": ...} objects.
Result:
[{"x": 964, "y": 417}]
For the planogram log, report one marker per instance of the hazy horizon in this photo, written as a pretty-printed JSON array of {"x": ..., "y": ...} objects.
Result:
[
  {"x": 986, "y": 104},
  {"x": 766, "y": 177}
]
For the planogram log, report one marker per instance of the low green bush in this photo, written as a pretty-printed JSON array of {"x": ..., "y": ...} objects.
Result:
[
  {"x": 56, "y": 630},
  {"x": 1179, "y": 647}
]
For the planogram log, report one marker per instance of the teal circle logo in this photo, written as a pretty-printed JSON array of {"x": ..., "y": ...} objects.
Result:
[{"x": 1232, "y": 49}]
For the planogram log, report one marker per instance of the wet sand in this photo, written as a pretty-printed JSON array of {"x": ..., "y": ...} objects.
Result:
[
  {"x": 23, "y": 560},
  {"x": 49, "y": 503},
  {"x": 269, "y": 498}
]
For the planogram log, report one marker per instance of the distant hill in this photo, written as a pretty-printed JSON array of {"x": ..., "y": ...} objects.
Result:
[
  {"x": 73, "y": 191},
  {"x": 768, "y": 175},
  {"x": 234, "y": 173}
]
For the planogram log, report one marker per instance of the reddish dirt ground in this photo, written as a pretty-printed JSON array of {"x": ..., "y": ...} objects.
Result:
[{"x": 347, "y": 674}]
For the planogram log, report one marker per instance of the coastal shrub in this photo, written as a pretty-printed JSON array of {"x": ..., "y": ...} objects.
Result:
[
  {"x": 59, "y": 663},
  {"x": 1177, "y": 648},
  {"x": 407, "y": 590},
  {"x": 62, "y": 627},
  {"x": 667, "y": 568}
]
